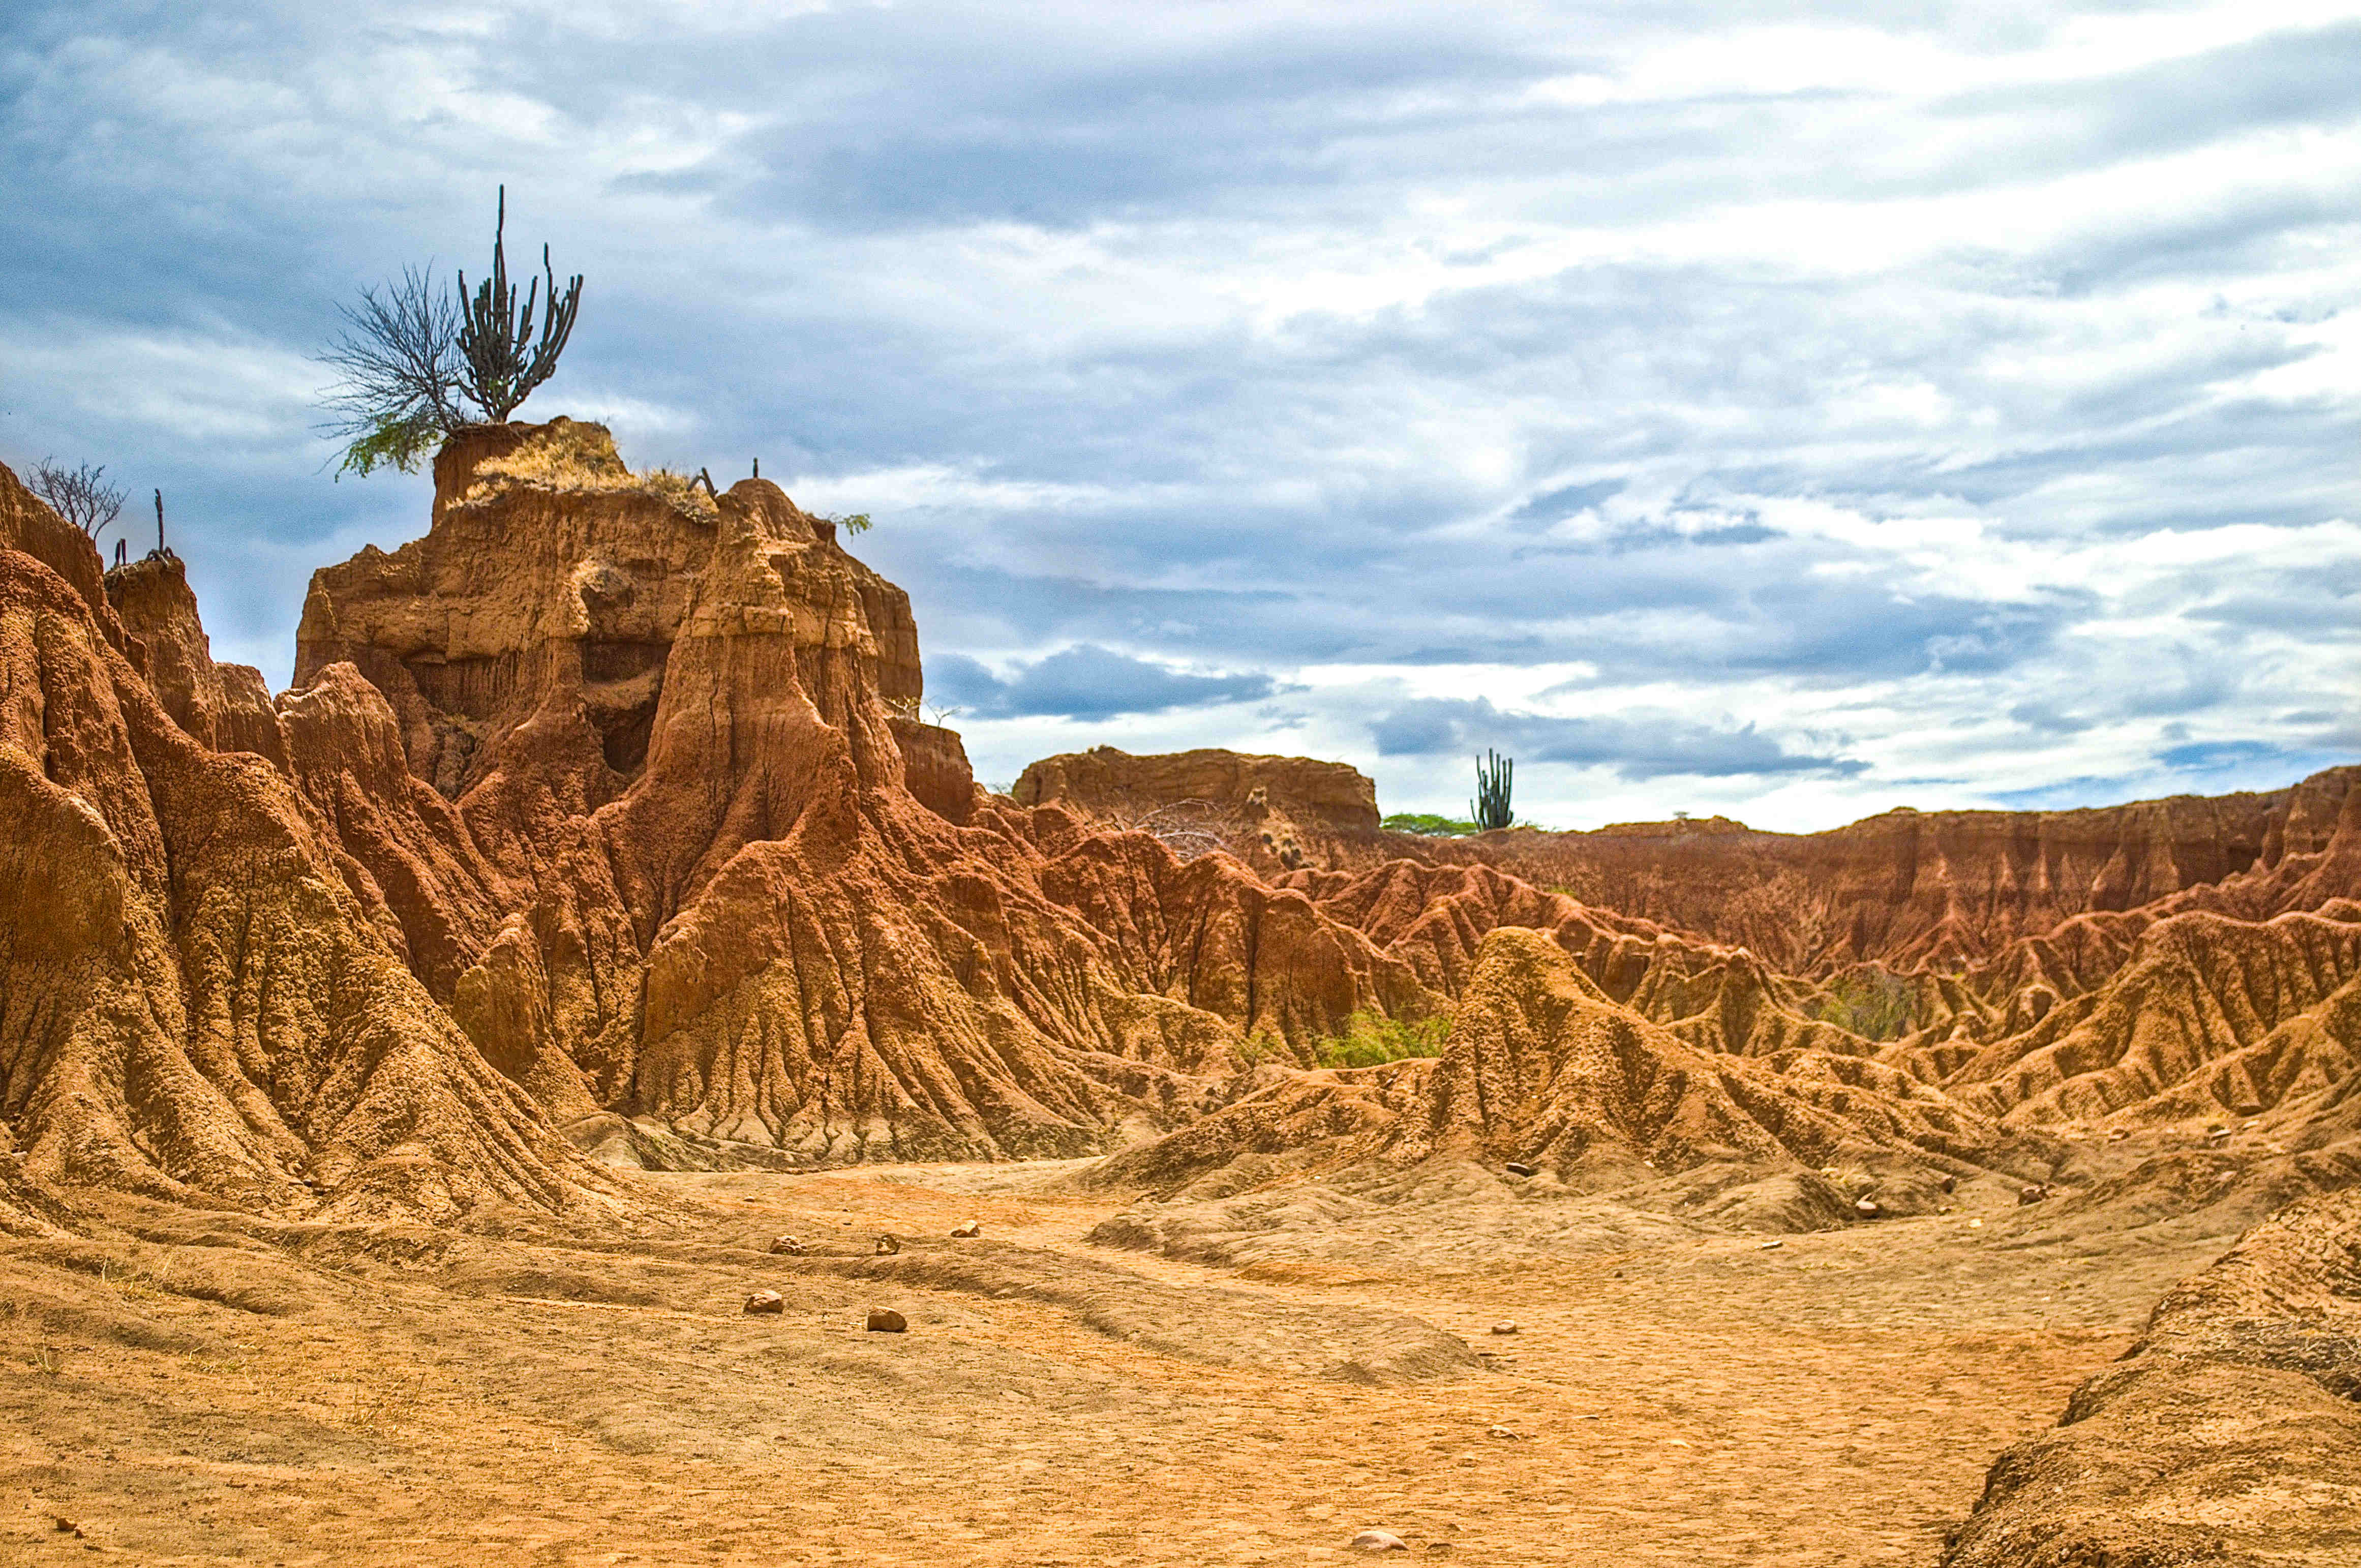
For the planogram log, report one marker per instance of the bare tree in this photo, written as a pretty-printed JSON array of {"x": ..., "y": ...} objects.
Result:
[
  {"x": 400, "y": 394},
  {"x": 413, "y": 358},
  {"x": 81, "y": 496}
]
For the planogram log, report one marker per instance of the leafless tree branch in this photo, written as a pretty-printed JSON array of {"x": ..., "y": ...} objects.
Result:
[{"x": 81, "y": 496}]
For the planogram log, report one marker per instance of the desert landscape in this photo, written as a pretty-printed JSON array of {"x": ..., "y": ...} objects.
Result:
[{"x": 586, "y": 1076}]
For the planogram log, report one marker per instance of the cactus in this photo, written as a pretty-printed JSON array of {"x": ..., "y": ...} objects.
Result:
[
  {"x": 1491, "y": 806},
  {"x": 504, "y": 363}
]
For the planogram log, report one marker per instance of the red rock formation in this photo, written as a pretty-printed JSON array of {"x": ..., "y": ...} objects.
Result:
[
  {"x": 1545, "y": 1068},
  {"x": 1906, "y": 889},
  {"x": 936, "y": 769},
  {"x": 698, "y": 853},
  {"x": 622, "y": 774},
  {"x": 224, "y": 706},
  {"x": 1106, "y": 783},
  {"x": 192, "y": 998},
  {"x": 2228, "y": 1433},
  {"x": 2176, "y": 1032},
  {"x": 1278, "y": 814}
]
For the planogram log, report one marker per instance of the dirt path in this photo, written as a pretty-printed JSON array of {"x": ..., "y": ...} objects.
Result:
[{"x": 205, "y": 1397}]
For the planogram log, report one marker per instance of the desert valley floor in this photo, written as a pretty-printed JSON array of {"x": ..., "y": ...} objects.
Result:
[{"x": 223, "y": 1391}]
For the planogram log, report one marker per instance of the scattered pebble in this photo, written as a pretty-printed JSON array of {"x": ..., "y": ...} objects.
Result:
[
  {"x": 967, "y": 1228},
  {"x": 1379, "y": 1540},
  {"x": 1772, "y": 1244},
  {"x": 887, "y": 1321},
  {"x": 1504, "y": 1328},
  {"x": 888, "y": 1244},
  {"x": 1868, "y": 1207},
  {"x": 1975, "y": 1224},
  {"x": 1949, "y": 1183},
  {"x": 789, "y": 1245},
  {"x": 1496, "y": 1429},
  {"x": 1515, "y": 1168},
  {"x": 766, "y": 1302},
  {"x": 2033, "y": 1192}
]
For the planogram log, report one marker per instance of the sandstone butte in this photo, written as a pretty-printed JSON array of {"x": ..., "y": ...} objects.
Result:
[{"x": 596, "y": 831}]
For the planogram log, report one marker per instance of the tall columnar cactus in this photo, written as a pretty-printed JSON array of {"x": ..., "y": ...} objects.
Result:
[
  {"x": 1491, "y": 806},
  {"x": 504, "y": 361}
]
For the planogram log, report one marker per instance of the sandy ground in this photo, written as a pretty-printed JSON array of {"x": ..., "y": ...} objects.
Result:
[{"x": 208, "y": 1388}]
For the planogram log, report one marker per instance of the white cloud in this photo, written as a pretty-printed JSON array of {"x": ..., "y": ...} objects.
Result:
[{"x": 1967, "y": 393}]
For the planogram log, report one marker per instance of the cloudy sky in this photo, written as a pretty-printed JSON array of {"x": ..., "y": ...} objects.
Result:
[{"x": 1790, "y": 409}]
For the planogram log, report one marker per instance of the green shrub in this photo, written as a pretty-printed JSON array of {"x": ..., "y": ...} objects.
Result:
[
  {"x": 1429, "y": 825},
  {"x": 1261, "y": 1046},
  {"x": 1869, "y": 1001},
  {"x": 1371, "y": 1040}
]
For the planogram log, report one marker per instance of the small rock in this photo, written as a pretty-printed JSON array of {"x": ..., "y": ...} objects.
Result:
[
  {"x": 887, "y": 1321},
  {"x": 1379, "y": 1540},
  {"x": 789, "y": 1245},
  {"x": 1501, "y": 1433},
  {"x": 2033, "y": 1192},
  {"x": 1868, "y": 1207},
  {"x": 1975, "y": 1224},
  {"x": 766, "y": 1302},
  {"x": 1516, "y": 1169},
  {"x": 1949, "y": 1183},
  {"x": 1504, "y": 1328},
  {"x": 888, "y": 1244},
  {"x": 966, "y": 1228},
  {"x": 1770, "y": 1244},
  {"x": 2217, "y": 1134},
  {"x": 2117, "y": 1135},
  {"x": 66, "y": 1526}
]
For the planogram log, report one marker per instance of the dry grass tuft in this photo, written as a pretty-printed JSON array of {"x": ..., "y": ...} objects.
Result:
[
  {"x": 681, "y": 489},
  {"x": 136, "y": 1279},
  {"x": 572, "y": 454}
]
